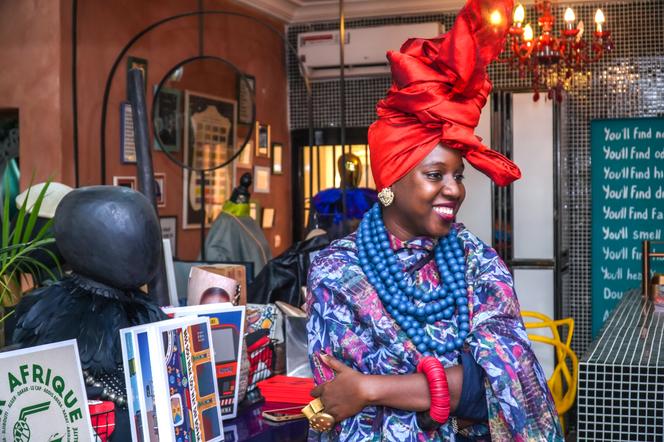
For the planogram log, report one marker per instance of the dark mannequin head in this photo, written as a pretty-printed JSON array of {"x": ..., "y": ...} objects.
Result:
[
  {"x": 109, "y": 234},
  {"x": 241, "y": 193}
]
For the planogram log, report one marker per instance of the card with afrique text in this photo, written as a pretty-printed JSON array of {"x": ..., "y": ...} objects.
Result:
[{"x": 43, "y": 384}]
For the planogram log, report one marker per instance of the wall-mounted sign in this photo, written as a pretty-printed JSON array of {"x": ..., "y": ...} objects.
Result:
[
  {"x": 39, "y": 385},
  {"x": 627, "y": 206}
]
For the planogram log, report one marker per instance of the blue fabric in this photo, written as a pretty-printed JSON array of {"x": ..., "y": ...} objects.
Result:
[
  {"x": 328, "y": 202},
  {"x": 472, "y": 404}
]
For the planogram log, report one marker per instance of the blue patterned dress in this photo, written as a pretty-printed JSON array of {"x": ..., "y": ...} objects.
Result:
[{"x": 347, "y": 320}]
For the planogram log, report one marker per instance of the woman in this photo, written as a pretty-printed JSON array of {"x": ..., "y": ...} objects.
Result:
[{"x": 412, "y": 292}]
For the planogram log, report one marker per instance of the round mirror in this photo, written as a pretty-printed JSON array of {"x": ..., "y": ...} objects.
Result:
[{"x": 203, "y": 116}]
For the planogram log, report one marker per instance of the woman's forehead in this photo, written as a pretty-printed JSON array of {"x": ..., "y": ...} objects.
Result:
[{"x": 443, "y": 155}]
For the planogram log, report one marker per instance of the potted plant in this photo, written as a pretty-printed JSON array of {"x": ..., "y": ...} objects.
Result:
[{"x": 20, "y": 238}]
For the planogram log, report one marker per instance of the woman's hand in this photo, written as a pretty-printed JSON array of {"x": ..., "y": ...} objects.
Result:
[
  {"x": 351, "y": 391},
  {"x": 343, "y": 396}
]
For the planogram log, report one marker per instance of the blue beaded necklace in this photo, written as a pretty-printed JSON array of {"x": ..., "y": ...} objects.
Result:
[{"x": 411, "y": 307}]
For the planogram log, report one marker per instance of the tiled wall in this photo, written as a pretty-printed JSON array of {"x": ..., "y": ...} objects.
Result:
[{"x": 629, "y": 82}]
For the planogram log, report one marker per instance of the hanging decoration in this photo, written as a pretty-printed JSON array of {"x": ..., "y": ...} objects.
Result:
[{"x": 552, "y": 60}]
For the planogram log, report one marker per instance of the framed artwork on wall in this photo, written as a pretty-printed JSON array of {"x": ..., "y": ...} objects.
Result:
[
  {"x": 262, "y": 140},
  {"x": 255, "y": 211},
  {"x": 125, "y": 181},
  {"x": 277, "y": 158},
  {"x": 160, "y": 189},
  {"x": 268, "y": 218},
  {"x": 244, "y": 159},
  {"x": 261, "y": 179},
  {"x": 245, "y": 96},
  {"x": 169, "y": 230},
  {"x": 127, "y": 146},
  {"x": 210, "y": 134},
  {"x": 167, "y": 123}
]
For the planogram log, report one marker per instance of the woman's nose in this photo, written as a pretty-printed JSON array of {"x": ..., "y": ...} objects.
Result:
[{"x": 451, "y": 188}]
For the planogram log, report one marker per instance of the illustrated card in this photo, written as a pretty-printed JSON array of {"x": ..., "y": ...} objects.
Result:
[
  {"x": 227, "y": 331},
  {"x": 43, "y": 384}
]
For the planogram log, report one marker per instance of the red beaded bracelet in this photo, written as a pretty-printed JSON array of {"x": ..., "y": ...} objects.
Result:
[{"x": 438, "y": 388}]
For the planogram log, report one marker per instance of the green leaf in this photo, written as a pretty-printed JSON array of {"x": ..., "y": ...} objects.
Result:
[
  {"x": 34, "y": 214},
  {"x": 18, "y": 244}
]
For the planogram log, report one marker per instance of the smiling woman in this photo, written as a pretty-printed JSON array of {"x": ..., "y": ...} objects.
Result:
[
  {"x": 414, "y": 327},
  {"x": 427, "y": 199}
]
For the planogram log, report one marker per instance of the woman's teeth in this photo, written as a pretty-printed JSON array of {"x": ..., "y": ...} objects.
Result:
[{"x": 447, "y": 211}]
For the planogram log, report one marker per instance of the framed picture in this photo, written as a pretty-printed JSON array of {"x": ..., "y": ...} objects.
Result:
[
  {"x": 244, "y": 159},
  {"x": 167, "y": 121},
  {"x": 261, "y": 179},
  {"x": 210, "y": 134},
  {"x": 125, "y": 181},
  {"x": 246, "y": 90},
  {"x": 268, "y": 218},
  {"x": 277, "y": 158},
  {"x": 169, "y": 230},
  {"x": 142, "y": 65},
  {"x": 127, "y": 146},
  {"x": 160, "y": 189},
  {"x": 255, "y": 210},
  {"x": 262, "y": 140}
]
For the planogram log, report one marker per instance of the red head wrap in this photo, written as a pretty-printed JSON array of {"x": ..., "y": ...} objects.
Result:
[{"x": 439, "y": 89}]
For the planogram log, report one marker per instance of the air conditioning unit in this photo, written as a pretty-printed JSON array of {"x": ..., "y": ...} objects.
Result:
[{"x": 364, "y": 50}]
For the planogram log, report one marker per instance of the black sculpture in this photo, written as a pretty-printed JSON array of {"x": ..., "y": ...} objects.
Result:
[{"x": 110, "y": 238}]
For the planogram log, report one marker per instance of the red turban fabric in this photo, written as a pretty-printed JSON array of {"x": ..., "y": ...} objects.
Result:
[{"x": 439, "y": 89}]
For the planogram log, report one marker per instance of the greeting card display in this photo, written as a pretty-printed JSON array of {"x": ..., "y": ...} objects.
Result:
[
  {"x": 39, "y": 385},
  {"x": 227, "y": 324},
  {"x": 171, "y": 385}
]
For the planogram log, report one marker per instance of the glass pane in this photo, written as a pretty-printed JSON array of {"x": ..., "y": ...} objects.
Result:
[
  {"x": 533, "y": 193},
  {"x": 534, "y": 288},
  {"x": 475, "y": 212}
]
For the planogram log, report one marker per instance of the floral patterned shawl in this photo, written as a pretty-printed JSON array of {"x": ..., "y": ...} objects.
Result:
[{"x": 347, "y": 320}]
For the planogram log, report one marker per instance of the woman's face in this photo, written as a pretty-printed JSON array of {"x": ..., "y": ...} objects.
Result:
[{"x": 428, "y": 198}]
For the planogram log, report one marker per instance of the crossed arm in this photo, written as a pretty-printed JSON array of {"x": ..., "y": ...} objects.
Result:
[{"x": 350, "y": 391}]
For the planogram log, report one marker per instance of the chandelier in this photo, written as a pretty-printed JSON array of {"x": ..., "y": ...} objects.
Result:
[{"x": 551, "y": 60}]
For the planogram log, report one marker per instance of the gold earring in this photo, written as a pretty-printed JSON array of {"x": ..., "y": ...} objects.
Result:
[{"x": 386, "y": 196}]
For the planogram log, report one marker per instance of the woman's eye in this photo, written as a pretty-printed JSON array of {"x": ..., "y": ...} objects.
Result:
[
  {"x": 459, "y": 177},
  {"x": 434, "y": 175}
]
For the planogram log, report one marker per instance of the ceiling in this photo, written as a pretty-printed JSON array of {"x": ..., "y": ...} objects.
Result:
[{"x": 306, "y": 11}]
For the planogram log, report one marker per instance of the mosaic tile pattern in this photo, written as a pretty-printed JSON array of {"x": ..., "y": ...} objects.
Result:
[
  {"x": 629, "y": 82},
  {"x": 621, "y": 381}
]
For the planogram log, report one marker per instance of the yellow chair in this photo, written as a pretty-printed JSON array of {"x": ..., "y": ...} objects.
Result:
[{"x": 562, "y": 382}]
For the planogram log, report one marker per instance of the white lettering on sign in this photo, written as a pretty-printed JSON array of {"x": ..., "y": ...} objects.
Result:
[
  {"x": 609, "y": 154},
  {"x": 633, "y": 276},
  {"x": 626, "y": 173},
  {"x": 614, "y": 235},
  {"x": 639, "y": 155},
  {"x": 612, "y": 294},
  {"x": 615, "y": 194},
  {"x": 611, "y": 276},
  {"x": 642, "y": 235},
  {"x": 640, "y": 134},
  {"x": 613, "y": 255}
]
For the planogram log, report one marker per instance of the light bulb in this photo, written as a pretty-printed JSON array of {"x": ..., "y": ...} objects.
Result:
[
  {"x": 599, "y": 20},
  {"x": 519, "y": 14},
  {"x": 528, "y": 33},
  {"x": 496, "y": 18},
  {"x": 599, "y": 17},
  {"x": 569, "y": 16}
]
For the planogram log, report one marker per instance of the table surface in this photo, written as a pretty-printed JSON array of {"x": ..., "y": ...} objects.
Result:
[
  {"x": 249, "y": 425},
  {"x": 633, "y": 335}
]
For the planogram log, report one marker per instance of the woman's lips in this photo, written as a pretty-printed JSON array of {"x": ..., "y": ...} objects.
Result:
[{"x": 446, "y": 213}]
